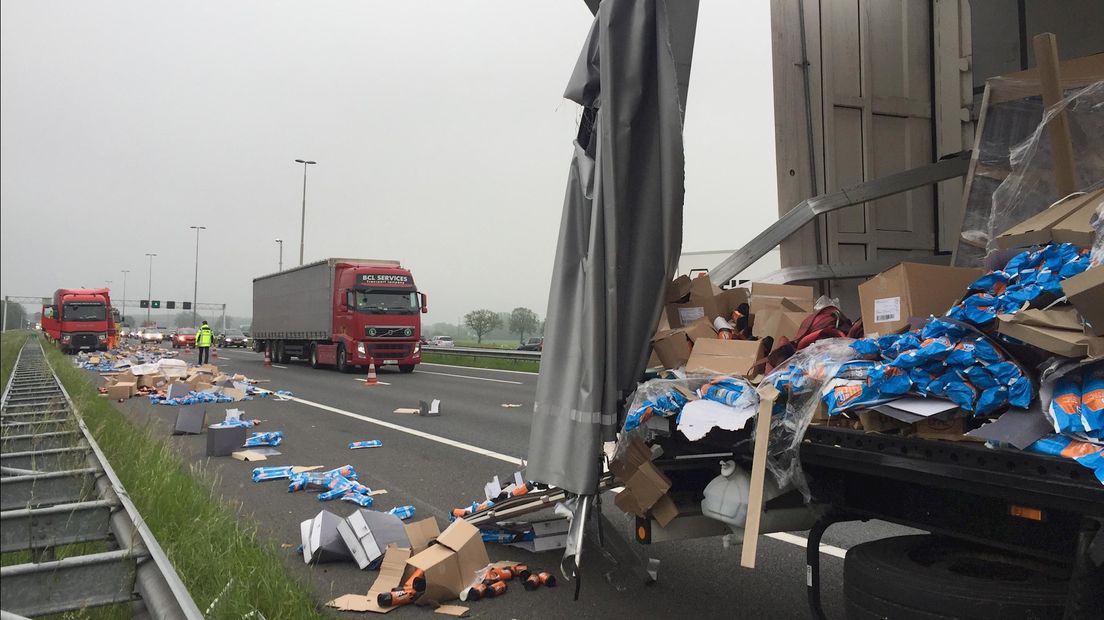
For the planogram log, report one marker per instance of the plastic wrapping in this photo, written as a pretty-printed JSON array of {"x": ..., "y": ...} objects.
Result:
[
  {"x": 661, "y": 397},
  {"x": 1014, "y": 176},
  {"x": 800, "y": 383},
  {"x": 1096, "y": 257}
]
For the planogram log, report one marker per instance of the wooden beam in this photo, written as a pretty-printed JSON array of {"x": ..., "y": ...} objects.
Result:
[{"x": 1061, "y": 145}]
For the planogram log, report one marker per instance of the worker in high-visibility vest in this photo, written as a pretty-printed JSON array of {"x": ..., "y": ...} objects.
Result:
[{"x": 203, "y": 342}]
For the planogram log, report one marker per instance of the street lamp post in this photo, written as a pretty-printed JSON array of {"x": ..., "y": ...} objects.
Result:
[
  {"x": 149, "y": 288},
  {"x": 195, "y": 285},
  {"x": 281, "y": 242},
  {"x": 303, "y": 219},
  {"x": 125, "y": 272}
]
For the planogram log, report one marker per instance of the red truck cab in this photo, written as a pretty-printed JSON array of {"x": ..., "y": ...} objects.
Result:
[
  {"x": 81, "y": 319},
  {"x": 376, "y": 315}
]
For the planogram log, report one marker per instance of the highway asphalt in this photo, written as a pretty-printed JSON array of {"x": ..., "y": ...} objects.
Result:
[{"x": 437, "y": 463}]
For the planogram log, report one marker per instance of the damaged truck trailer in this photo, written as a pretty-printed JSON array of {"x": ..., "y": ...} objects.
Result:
[{"x": 341, "y": 312}]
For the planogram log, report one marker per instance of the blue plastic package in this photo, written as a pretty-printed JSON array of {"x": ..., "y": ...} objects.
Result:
[
  {"x": 725, "y": 390},
  {"x": 991, "y": 399},
  {"x": 986, "y": 352},
  {"x": 866, "y": 347},
  {"x": 962, "y": 393},
  {"x": 1065, "y": 406},
  {"x": 1092, "y": 400},
  {"x": 890, "y": 380},
  {"x": 981, "y": 377}
]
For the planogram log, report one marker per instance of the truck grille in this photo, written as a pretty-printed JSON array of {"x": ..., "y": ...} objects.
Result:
[
  {"x": 390, "y": 331},
  {"x": 80, "y": 341},
  {"x": 390, "y": 350}
]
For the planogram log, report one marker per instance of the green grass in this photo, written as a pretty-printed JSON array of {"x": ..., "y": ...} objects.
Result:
[
  {"x": 459, "y": 359},
  {"x": 217, "y": 554},
  {"x": 488, "y": 344},
  {"x": 10, "y": 343}
]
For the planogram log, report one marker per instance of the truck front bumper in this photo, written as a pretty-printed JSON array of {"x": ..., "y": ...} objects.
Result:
[{"x": 386, "y": 353}]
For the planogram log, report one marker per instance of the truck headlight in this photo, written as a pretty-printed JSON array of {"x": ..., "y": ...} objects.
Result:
[
  {"x": 102, "y": 337},
  {"x": 361, "y": 350},
  {"x": 417, "y": 349}
]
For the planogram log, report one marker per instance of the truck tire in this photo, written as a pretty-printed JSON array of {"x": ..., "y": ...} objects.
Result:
[
  {"x": 314, "y": 355},
  {"x": 932, "y": 577},
  {"x": 281, "y": 356},
  {"x": 342, "y": 359},
  {"x": 406, "y": 368}
]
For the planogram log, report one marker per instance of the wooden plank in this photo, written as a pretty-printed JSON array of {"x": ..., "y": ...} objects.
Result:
[
  {"x": 1061, "y": 145},
  {"x": 767, "y": 395}
]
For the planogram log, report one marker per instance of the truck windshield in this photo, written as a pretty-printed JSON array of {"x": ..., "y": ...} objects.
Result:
[
  {"x": 84, "y": 311},
  {"x": 386, "y": 302}
]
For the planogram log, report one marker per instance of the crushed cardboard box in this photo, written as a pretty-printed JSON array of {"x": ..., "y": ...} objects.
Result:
[
  {"x": 451, "y": 565},
  {"x": 1057, "y": 330},
  {"x": 1085, "y": 291},
  {"x": 1066, "y": 221},
  {"x": 368, "y": 534},
  {"x": 691, "y": 299},
  {"x": 672, "y": 346},
  {"x": 645, "y": 485},
  {"x": 391, "y": 574},
  {"x": 767, "y": 298}
]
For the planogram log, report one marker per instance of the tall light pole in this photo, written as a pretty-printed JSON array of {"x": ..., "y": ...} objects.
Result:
[
  {"x": 303, "y": 220},
  {"x": 125, "y": 272},
  {"x": 195, "y": 286},
  {"x": 149, "y": 288},
  {"x": 281, "y": 242}
]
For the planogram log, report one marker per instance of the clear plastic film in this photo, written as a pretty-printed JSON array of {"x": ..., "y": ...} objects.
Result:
[
  {"x": 1014, "y": 177},
  {"x": 662, "y": 397},
  {"x": 800, "y": 383},
  {"x": 1097, "y": 255}
]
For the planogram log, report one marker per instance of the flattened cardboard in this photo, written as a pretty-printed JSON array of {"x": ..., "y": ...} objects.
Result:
[
  {"x": 1064, "y": 342},
  {"x": 249, "y": 456},
  {"x": 938, "y": 428},
  {"x": 1086, "y": 292},
  {"x": 664, "y": 511},
  {"x": 1059, "y": 317},
  {"x": 390, "y": 577},
  {"x": 234, "y": 393},
  {"x": 891, "y": 298},
  {"x": 1077, "y": 228},
  {"x": 778, "y": 323},
  {"x": 178, "y": 390},
  {"x": 452, "y": 610},
  {"x": 1042, "y": 227},
  {"x": 732, "y": 357}
]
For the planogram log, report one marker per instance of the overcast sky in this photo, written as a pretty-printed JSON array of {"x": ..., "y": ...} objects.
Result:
[{"x": 439, "y": 128}]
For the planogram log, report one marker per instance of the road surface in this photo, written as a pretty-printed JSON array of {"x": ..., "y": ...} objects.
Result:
[{"x": 439, "y": 463}]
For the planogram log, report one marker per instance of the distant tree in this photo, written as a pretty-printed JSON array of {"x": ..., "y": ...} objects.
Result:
[
  {"x": 14, "y": 316},
  {"x": 523, "y": 321},
  {"x": 482, "y": 322}
]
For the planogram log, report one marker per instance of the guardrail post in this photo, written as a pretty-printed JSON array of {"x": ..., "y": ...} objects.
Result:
[{"x": 5, "y": 327}]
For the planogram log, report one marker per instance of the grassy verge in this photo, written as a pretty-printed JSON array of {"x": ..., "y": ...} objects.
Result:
[
  {"x": 10, "y": 343},
  {"x": 459, "y": 359},
  {"x": 217, "y": 556}
]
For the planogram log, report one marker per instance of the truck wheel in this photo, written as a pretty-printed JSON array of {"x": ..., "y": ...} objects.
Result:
[
  {"x": 314, "y": 356},
  {"x": 931, "y": 577},
  {"x": 342, "y": 359},
  {"x": 406, "y": 368}
]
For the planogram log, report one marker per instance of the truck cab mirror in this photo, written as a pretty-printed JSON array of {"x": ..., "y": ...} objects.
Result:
[
  {"x": 425, "y": 303},
  {"x": 49, "y": 312},
  {"x": 349, "y": 301}
]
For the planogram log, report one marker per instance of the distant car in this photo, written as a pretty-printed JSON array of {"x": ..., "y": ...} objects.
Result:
[
  {"x": 151, "y": 335},
  {"x": 233, "y": 338},
  {"x": 166, "y": 333},
  {"x": 532, "y": 344},
  {"x": 184, "y": 337},
  {"x": 442, "y": 341}
]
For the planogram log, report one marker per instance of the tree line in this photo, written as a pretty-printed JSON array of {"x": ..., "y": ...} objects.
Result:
[{"x": 484, "y": 323}]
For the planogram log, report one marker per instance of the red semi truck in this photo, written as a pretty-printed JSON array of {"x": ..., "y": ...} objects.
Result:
[
  {"x": 344, "y": 312},
  {"x": 80, "y": 319}
]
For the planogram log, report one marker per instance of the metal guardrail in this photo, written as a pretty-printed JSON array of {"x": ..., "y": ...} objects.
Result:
[
  {"x": 504, "y": 354},
  {"x": 57, "y": 489}
]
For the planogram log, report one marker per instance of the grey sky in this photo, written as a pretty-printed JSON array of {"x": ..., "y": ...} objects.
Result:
[{"x": 439, "y": 128}]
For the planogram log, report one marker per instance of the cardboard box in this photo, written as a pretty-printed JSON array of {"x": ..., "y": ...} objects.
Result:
[
  {"x": 189, "y": 421},
  {"x": 672, "y": 346},
  {"x": 1049, "y": 225},
  {"x": 787, "y": 297},
  {"x": 452, "y": 563},
  {"x": 778, "y": 323},
  {"x": 122, "y": 390},
  {"x": 321, "y": 541},
  {"x": 732, "y": 357},
  {"x": 691, "y": 299},
  {"x": 947, "y": 430},
  {"x": 421, "y": 533},
  {"x": 891, "y": 298},
  {"x": 1086, "y": 292},
  {"x": 645, "y": 485},
  {"x": 224, "y": 440}
]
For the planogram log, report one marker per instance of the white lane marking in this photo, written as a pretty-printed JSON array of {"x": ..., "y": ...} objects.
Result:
[
  {"x": 515, "y": 372},
  {"x": 445, "y": 374},
  {"x": 410, "y": 431},
  {"x": 275, "y": 366},
  {"x": 802, "y": 542},
  {"x": 377, "y": 381},
  {"x": 223, "y": 357}
]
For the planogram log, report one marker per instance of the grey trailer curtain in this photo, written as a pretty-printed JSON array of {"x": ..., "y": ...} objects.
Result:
[{"x": 620, "y": 235}]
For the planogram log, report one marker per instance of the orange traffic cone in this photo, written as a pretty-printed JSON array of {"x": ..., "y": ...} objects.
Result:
[
  {"x": 371, "y": 380},
  {"x": 214, "y": 353},
  {"x": 268, "y": 359}
]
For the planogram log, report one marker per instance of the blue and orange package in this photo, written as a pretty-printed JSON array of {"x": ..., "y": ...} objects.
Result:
[
  {"x": 986, "y": 352},
  {"x": 1065, "y": 406},
  {"x": 991, "y": 399},
  {"x": 1083, "y": 452},
  {"x": 852, "y": 387},
  {"x": 890, "y": 380},
  {"x": 962, "y": 393},
  {"x": 1092, "y": 400},
  {"x": 993, "y": 282}
]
